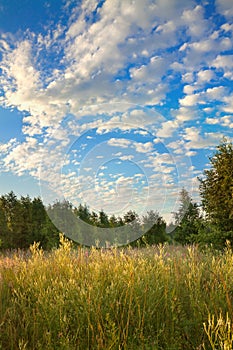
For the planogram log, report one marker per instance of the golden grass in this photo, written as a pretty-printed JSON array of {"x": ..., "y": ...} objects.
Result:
[{"x": 151, "y": 298}]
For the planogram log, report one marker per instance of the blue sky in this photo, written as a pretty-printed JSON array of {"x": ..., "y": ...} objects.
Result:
[{"x": 114, "y": 103}]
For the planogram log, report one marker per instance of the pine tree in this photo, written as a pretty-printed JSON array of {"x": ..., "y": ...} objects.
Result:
[
  {"x": 187, "y": 220},
  {"x": 4, "y": 231},
  {"x": 216, "y": 188},
  {"x": 154, "y": 228}
]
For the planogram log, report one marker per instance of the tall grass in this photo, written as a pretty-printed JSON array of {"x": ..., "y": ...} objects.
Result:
[{"x": 150, "y": 298}]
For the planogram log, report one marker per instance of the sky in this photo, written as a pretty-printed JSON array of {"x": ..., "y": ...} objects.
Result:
[{"x": 116, "y": 104}]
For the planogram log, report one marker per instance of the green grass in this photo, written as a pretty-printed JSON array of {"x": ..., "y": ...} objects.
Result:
[{"x": 150, "y": 298}]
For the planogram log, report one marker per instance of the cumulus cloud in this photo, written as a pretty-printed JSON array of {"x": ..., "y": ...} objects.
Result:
[
  {"x": 143, "y": 147},
  {"x": 228, "y": 104},
  {"x": 190, "y": 100},
  {"x": 184, "y": 114},
  {"x": 197, "y": 25},
  {"x": 205, "y": 75},
  {"x": 167, "y": 129},
  {"x": 196, "y": 140},
  {"x": 121, "y": 143},
  {"x": 212, "y": 121},
  {"x": 224, "y": 63}
]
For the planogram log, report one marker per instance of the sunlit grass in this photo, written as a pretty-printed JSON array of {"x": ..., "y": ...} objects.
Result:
[{"x": 150, "y": 298}]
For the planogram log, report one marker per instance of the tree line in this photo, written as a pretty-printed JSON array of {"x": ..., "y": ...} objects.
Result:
[{"x": 24, "y": 221}]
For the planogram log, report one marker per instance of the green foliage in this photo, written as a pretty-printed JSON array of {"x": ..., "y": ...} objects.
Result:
[
  {"x": 23, "y": 221},
  {"x": 216, "y": 188},
  {"x": 187, "y": 220},
  {"x": 154, "y": 228},
  {"x": 212, "y": 235},
  {"x": 103, "y": 219},
  {"x": 150, "y": 298},
  {"x": 83, "y": 213}
]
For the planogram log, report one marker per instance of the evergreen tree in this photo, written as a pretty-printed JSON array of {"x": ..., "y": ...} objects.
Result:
[
  {"x": 17, "y": 224},
  {"x": 187, "y": 220},
  {"x": 83, "y": 213},
  {"x": 4, "y": 231},
  {"x": 154, "y": 227},
  {"x": 24, "y": 221},
  {"x": 43, "y": 230},
  {"x": 216, "y": 189},
  {"x": 185, "y": 200},
  {"x": 94, "y": 218},
  {"x": 113, "y": 222},
  {"x": 132, "y": 227},
  {"x": 103, "y": 219},
  {"x": 130, "y": 216}
]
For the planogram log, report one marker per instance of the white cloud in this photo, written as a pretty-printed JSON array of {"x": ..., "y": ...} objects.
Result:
[
  {"x": 208, "y": 109},
  {"x": 152, "y": 71},
  {"x": 141, "y": 132},
  {"x": 225, "y": 7},
  {"x": 87, "y": 169},
  {"x": 203, "y": 46},
  {"x": 216, "y": 93},
  {"x": 188, "y": 77},
  {"x": 227, "y": 121},
  {"x": 210, "y": 94},
  {"x": 92, "y": 57},
  {"x": 167, "y": 129},
  {"x": 189, "y": 89},
  {"x": 212, "y": 121},
  {"x": 6, "y": 147},
  {"x": 18, "y": 158},
  {"x": 167, "y": 27},
  {"x": 196, "y": 24},
  {"x": 119, "y": 142},
  {"x": 143, "y": 147},
  {"x": 184, "y": 114},
  {"x": 17, "y": 66},
  {"x": 228, "y": 101},
  {"x": 224, "y": 63},
  {"x": 227, "y": 27},
  {"x": 205, "y": 75},
  {"x": 195, "y": 140},
  {"x": 142, "y": 118},
  {"x": 190, "y": 100},
  {"x": 4, "y": 46},
  {"x": 127, "y": 157},
  {"x": 191, "y": 153}
]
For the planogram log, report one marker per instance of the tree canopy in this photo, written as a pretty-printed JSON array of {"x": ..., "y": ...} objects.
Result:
[
  {"x": 216, "y": 188},
  {"x": 25, "y": 221}
]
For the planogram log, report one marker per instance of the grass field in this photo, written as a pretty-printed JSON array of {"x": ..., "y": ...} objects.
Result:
[{"x": 150, "y": 298}]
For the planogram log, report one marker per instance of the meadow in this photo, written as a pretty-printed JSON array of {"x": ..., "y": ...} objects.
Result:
[{"x": 161, "y": 297}]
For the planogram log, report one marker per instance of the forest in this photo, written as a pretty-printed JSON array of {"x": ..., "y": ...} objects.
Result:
[
  {"x": 170, "y": 291},
  {"x": 24, "y": 220}
]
